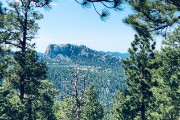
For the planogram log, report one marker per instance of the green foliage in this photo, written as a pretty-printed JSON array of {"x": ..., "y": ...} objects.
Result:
[
  {"x": 41, "y": 104},
  {"x": 152, "y": 81},
  {"x": 64, "y": 110},
  {"x": 92, "y": 109},
  {"x": 45, "y": 105},
  {"x": 104, "y": 71},
  {"x": 169, "y": 70},
  {"x": 38, "y": 95},
  {"x": 24, "y": 94},
  {"x": 4, "y": 58},
  {"x": 10, "y": 104},
  {"x": 33, "y": 72},
  {"x": 106, "y": 80},
  {"x": 152, "y": 78},
  {"x": 153, "y": 16},
  {"x": 3, "y": 49},
  {"x": 146, "y": 94}
]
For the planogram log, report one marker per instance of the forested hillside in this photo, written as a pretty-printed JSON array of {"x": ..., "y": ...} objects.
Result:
[
  {"x": 103, "y": 71},
  {"x": 73, "y": 82}
]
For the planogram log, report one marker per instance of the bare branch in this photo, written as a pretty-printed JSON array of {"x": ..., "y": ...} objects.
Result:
[
  {"x": 96, "y": 9},
  {"x": 113, "y": 4}
]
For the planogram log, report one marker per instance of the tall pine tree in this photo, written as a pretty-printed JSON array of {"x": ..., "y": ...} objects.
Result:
[
  {"x": 169, "y": 58},
  {"x": 140, "y": 100},
  {"x": 24, "y": 93},
  {"x": 92, "y": 108}
]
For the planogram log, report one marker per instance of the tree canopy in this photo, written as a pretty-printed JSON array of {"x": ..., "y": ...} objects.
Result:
[{"x": 156, "y": 16}]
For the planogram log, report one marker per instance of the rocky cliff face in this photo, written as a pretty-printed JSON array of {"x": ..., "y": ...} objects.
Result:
[
  {"x": 68, "y": 50},
  {"x": 80, "y": 54}
]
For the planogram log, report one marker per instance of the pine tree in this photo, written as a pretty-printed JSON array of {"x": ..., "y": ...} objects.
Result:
[
  {"x": 64, "y": 109},
  {"x": 153, "y": 16},
  {"x": 44, "y": 108},
  {"x": 160, "y": 17},
  {"x": 140, "y": 100},
  {"x": 169, "y": 58},
  {"x": 24, "y": 93},
  {"x": 3, "y": 63},
  {"x": 138, "y": 76},
  {"x": 92, "y": 109}
]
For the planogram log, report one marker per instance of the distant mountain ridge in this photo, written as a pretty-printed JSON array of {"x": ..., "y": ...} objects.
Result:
[
  {"x": 121, "y": 55},
  {"x": 69, "y": 53},
  {"x": 118, "y": 54}
]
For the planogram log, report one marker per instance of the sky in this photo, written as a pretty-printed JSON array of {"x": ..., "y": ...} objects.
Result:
[{"x": 68, "y": 22}]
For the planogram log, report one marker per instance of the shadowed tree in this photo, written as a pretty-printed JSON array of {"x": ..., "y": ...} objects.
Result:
[
  {"x": 169, "y": 58},
  {"x": 146, "y": 94},
  {"x": 92, "y": 109},
  {"x": 23, "y": 80},
  {"x": 3, "y": 63}
]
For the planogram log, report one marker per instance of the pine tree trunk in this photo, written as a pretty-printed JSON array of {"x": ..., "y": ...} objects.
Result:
[
  {"x": 143, "y": 117},
  {"x": 30, "y": 110},
  {"x": 171, "y": 117},
  {"x": 23, "y": 61}
]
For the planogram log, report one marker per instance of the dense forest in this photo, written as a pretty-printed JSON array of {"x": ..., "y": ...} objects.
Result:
[
  {"x": 144, "y": 86},
  {"x": 102, "y": 70}
]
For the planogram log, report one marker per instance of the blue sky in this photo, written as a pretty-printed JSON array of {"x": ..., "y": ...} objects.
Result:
[{"x": 68, "y": 22}]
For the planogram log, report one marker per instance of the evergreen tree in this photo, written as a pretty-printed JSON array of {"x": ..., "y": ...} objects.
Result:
[
  {"x": 92, "y": 109},
  {"x": 169, "y": 58},
  {"x": 159, "y": 17},
  {"x": 23, "y": 91},
  {"x": 64, "y": 110},
  {"x": 3, "y": 62},
  {"x": 38, "y": 95},
  {"x": 153, "y": 16},
  {"x": 3, "y": 55},
  {"x": 140, "y": 100},
  {"x": 44, "y": 104}
]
